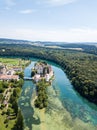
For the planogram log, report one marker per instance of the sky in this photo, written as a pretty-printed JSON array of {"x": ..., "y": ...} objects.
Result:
[{"x": 49, "y": 20}]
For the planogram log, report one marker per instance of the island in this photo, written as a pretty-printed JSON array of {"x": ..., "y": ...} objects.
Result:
[{"x": 42, "y": 75}]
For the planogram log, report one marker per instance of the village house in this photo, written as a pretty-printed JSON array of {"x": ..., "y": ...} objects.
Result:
[
  {"x": 10, "y": 72},
  {"x": 47, "y": 77},
  {"x": 9, "y": 77},
  {"x": 42, "y": 70},
  {"x": 37, "y": 78},
  {"x": 3, "y": 69},
  {"x": 17, "y": 69},
  {"x": 39, "y": 68}
]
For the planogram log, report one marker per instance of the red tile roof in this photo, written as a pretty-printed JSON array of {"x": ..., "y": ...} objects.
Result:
[{"x": 9, "y": 77}]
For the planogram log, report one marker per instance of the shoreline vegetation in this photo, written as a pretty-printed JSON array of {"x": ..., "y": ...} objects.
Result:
[
  {"x": 55, "y": 116},
  {"x": 42, "y": 75},
  {"x": 10, "y": 115},
  {"x": 80, "y": 66},
  {"x": 42, "y": 98}
]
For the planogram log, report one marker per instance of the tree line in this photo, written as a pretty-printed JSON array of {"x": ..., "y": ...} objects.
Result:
[{"x": 80, "y": 67}]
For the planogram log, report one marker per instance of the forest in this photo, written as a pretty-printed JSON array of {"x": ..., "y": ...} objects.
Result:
[{"x": 80, "y": 66}]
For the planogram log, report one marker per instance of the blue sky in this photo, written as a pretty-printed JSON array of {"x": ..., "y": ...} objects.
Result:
[{"x": 49, "y": 20}]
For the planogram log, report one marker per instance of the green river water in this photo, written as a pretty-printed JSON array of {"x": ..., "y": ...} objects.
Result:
[{"x": 67, "y": 110}]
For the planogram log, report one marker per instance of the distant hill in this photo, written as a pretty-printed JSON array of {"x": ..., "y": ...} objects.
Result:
[
  {"x": 12, "y": 41},
  {"x": 42, "y": 43},
  {"x": 89, "y": 47}
]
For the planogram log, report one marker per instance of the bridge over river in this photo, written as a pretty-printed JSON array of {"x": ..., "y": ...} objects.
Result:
[{"x": 27, "y": 78}]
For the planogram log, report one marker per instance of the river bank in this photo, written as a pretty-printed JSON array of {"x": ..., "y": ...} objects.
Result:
[
  {"x": 72, "y": 114},
  {"x": 56, "y": 117}
]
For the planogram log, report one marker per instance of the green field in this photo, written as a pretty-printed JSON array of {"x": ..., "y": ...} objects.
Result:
[{"x": 13, "y": 61}]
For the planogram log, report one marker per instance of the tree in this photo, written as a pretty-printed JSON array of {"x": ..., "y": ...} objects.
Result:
[
  {"x": 5, "y": 84},
  {"x": 33, "y": 73},
  {"x": 15, "y": 107},
  {"x": 1, "y": 87},
  {"x": 21, "y": 75},
  {"x": 14, "y": 93},
  {"x": 19, "y": 122}
]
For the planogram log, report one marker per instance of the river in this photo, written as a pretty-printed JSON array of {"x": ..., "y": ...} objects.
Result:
[{"x": 67, "y": 110}]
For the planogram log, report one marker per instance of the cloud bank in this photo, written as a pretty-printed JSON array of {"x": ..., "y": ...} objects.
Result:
[
  {"x": 68, "y": 35},
  {"x": 27, "y": 11}
]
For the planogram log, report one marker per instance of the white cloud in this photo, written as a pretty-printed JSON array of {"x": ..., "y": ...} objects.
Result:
[
  {"x": 27, "y": 11},
  {"x": 59, "y": 2},
  {"x": 68, "y": 35}
]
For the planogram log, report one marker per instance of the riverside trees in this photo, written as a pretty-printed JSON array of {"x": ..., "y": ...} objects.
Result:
[
  {"x": 42, "y": 98},
  {"x": 19, "y": 125},
  {"x": 80, "y": 67}
]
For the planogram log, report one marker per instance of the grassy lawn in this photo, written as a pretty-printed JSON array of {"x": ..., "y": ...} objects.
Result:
[
  {"x": 12, "y": 61},
  {"x": 2, "y": 125}
]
